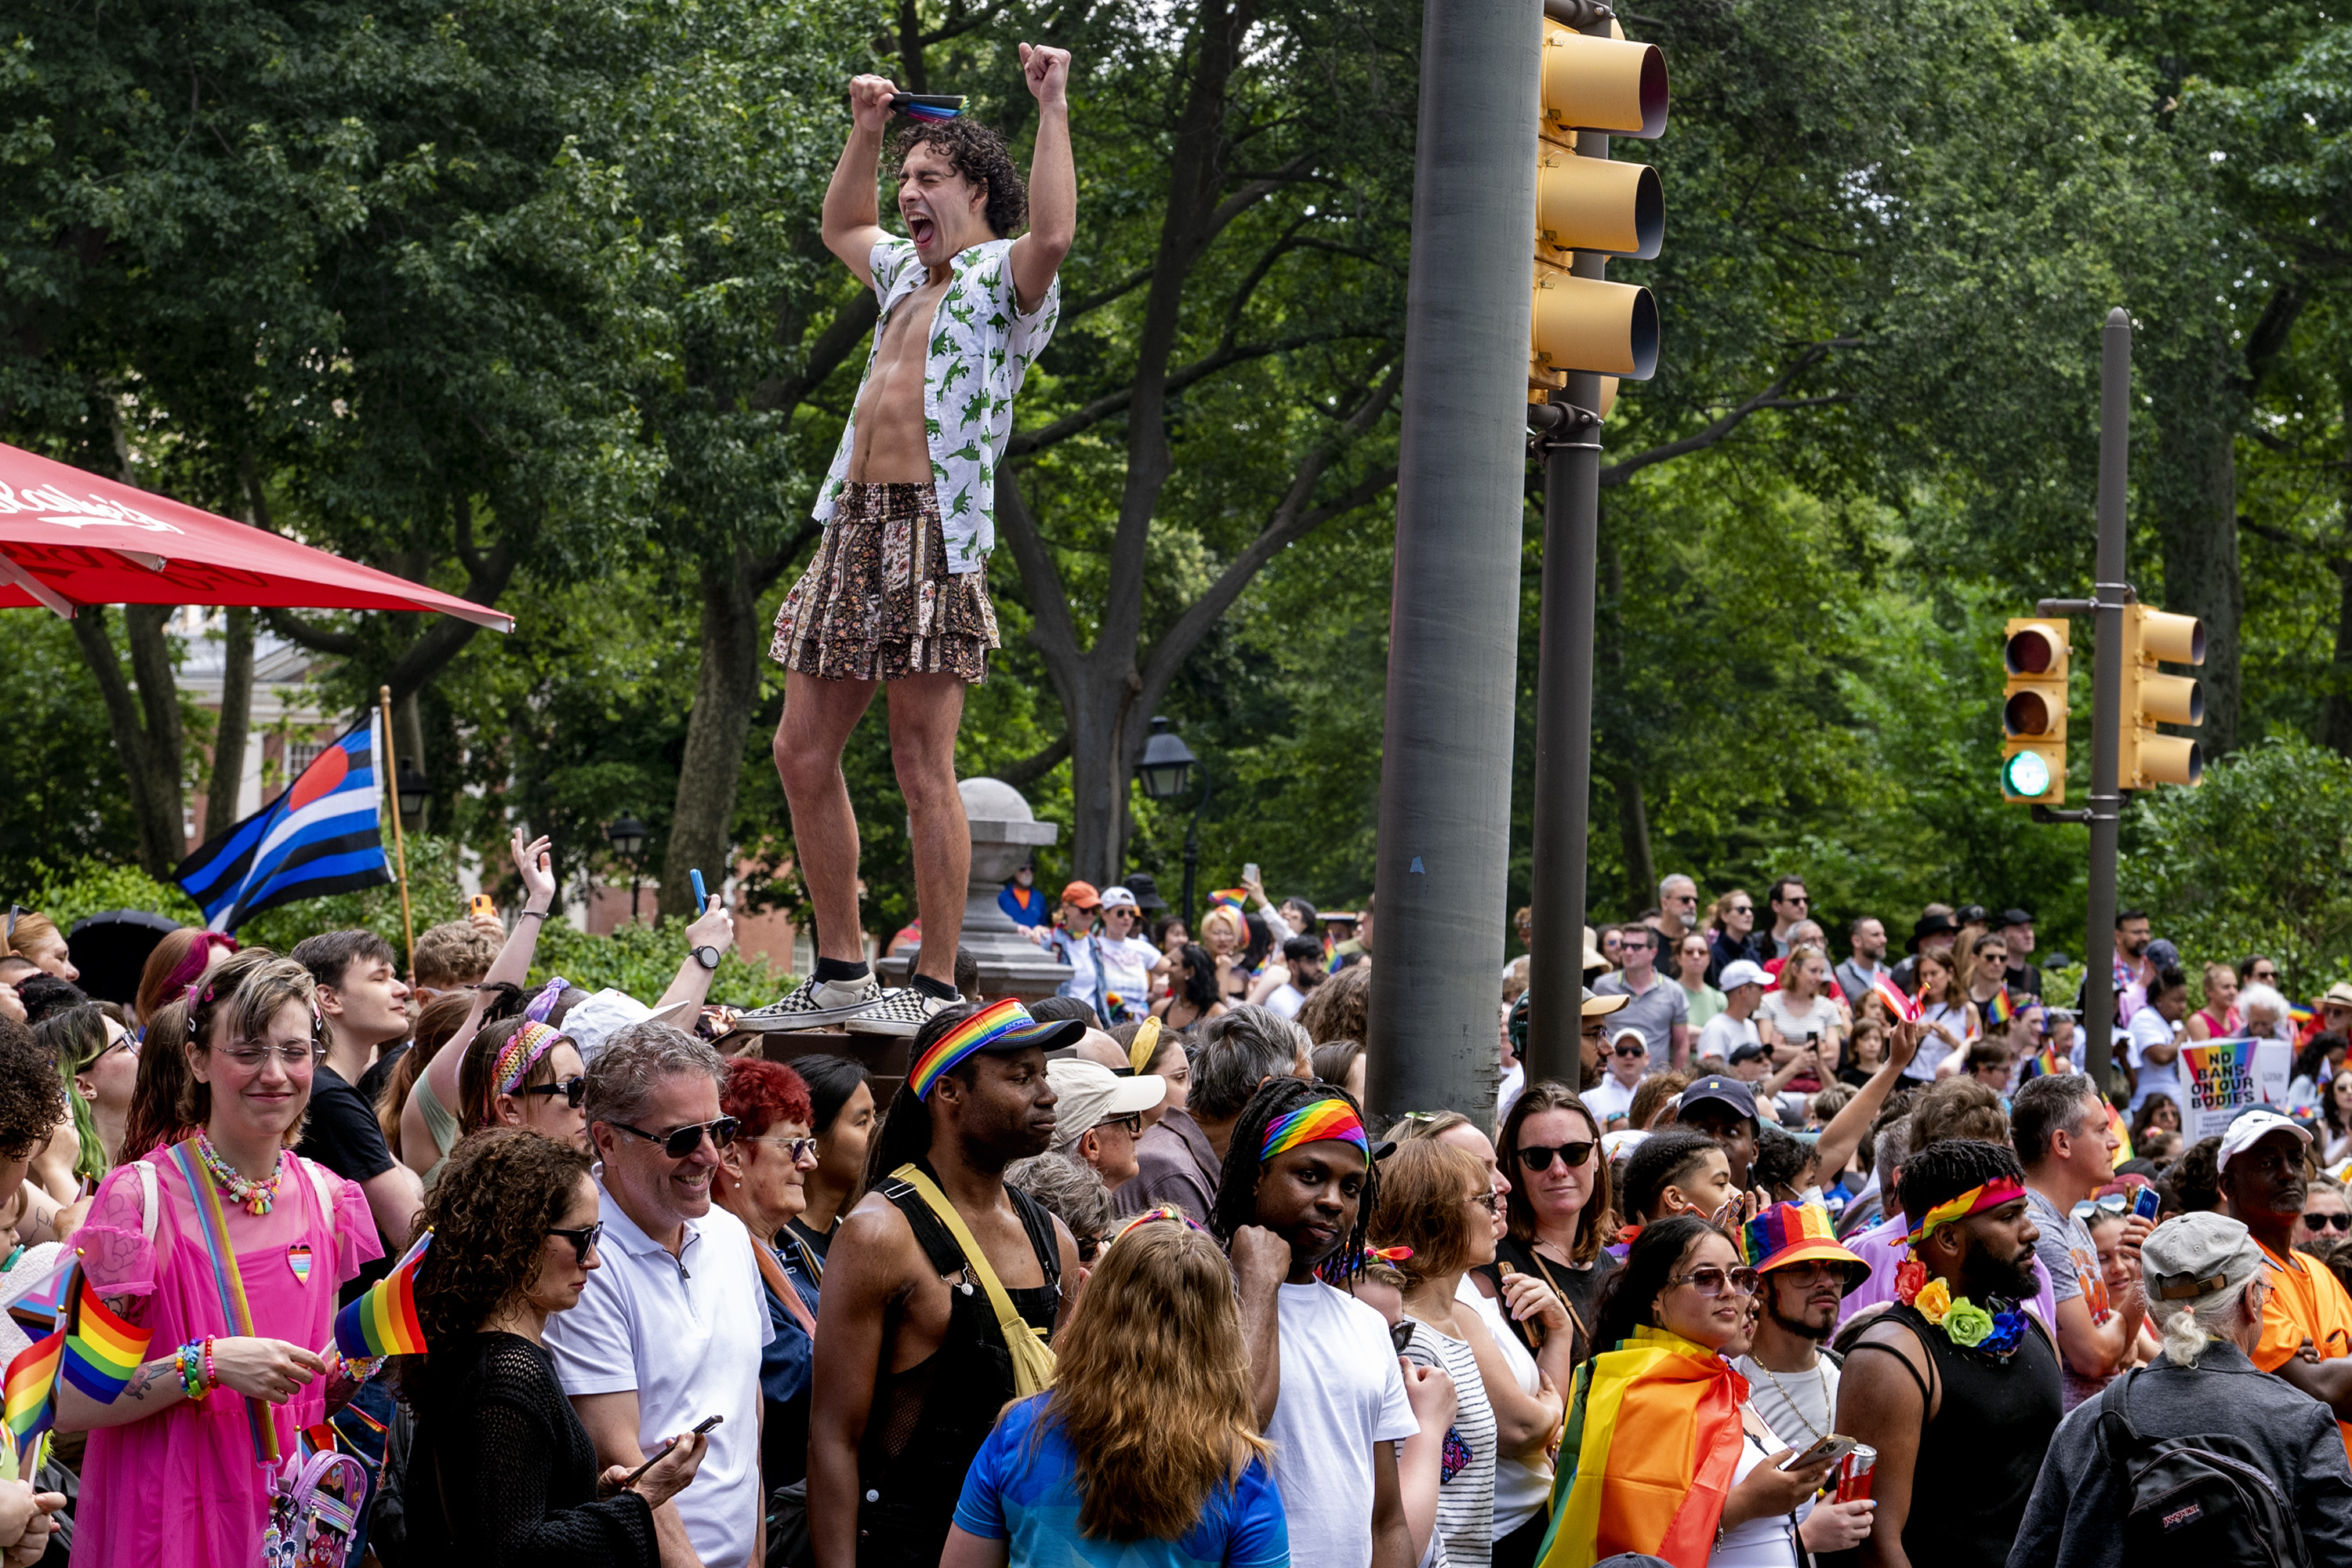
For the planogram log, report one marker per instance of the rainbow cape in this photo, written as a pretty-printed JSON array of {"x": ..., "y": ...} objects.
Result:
[
  {"x": 382, "y": 1319},
  {"x": 1647, "y": 1462},
  {"x": 102, "y": 1352}
]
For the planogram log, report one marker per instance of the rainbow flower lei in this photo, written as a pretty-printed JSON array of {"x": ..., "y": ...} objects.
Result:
[{"x": 1991, "y": 1330}]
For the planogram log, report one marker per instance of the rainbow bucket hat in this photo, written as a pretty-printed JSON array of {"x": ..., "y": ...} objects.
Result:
[{"x": 1797, "y": 1233}]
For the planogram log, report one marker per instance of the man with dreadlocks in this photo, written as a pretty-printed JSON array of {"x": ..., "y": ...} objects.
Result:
[
  {"x": 1962, "y": 1393},
  {"x": 897, "y": 591},
  {"x": 1332, "y": 1394},
  {"x": 912, "y": 1361}
]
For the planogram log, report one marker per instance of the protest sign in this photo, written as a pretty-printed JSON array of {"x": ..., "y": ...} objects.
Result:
[{"x": 2221, "y": 1078}]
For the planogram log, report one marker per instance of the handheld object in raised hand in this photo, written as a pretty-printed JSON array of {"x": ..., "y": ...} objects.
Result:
[
  {"x": 927, "y": 106},
  {"x": 702, "y": 899}
]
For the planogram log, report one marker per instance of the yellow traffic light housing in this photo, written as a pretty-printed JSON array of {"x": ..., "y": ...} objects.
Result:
[
  {"x": 2144, "y": 757},
  {"x": 1608, "y": 86},
  {"x": 2033, "y": 711}
]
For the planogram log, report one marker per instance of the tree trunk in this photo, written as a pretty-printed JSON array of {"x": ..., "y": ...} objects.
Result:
[
  {"x": 145, "y": 723},
  {"x": 2197, "y": 522},
  {"x": 236, "y": 724},
  {"x": 1633, "y": 835},
  {"x": 1104, "y": 744},
  {"x": 2336, "y": 712},
  {"x": 702, "y": 822}
]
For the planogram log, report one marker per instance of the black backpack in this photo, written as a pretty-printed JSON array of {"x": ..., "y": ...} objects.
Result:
[{"x": 2203, "y": 1500}]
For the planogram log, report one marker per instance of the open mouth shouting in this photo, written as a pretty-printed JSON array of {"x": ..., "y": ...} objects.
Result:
[{"x": 922, "y": 229}]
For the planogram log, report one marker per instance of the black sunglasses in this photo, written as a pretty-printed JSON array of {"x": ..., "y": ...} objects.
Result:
[
  {"x": 680, "y": 1142},
  {"x": 1538, "y": 1156},
  {"x": 583, "y": 1240},
  {"x": 574, "y": 1090},
  {"x": 2327, "y": 1221},
  {"x": 1089, "y": 1247},
  {"x": 1401, "y": 1334},
  {"x": 1632, "y": 1050}
]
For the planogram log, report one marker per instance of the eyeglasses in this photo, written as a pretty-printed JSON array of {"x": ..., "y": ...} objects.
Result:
[
  {"x": 1743, "y": 909},
  {"x": 1132, "y": 1122},
  {"x": 583, "y": 1240},
  {"x": 2266, "y": 976},
  {"x": 680, "y": 1142},
  {"x": 2110, "y": 1204},
  {"x": 1710, "y": 1281},
  {"x": 574, "y": 1090},
  {"x": 1538, "y": 1156},
  {"x": 2327, "y": 1222},
  {"x": 1632, "y": 1050},
  {"x": 1089, "y": 1247},
  {"x": 796, "y": 1149},
  {"x": 250, "y": 1054},
  {"x": 1796, "y": 899},
  {"x": 1486, "y": 1199},
  {"x": 122, "y": 1042}
]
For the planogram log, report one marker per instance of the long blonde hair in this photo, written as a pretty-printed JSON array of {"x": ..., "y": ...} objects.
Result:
[{"x": 1151, "y": 1385}]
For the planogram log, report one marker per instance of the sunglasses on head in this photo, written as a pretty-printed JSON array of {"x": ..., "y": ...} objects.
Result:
[
  {"x": 680, "y": 1142},
  {"x": 574, "y": 1090},
  {"x": 2111, "y": 1203},
  {"x": 1539, "y": 1156},
  {"x": 2327, "y": 1222}
]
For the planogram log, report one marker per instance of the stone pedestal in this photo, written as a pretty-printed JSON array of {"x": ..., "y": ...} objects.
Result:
[{"x": 1004, "y": 832}]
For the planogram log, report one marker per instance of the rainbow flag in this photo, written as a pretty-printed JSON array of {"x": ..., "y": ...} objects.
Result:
[
  {"x": 2116, "y": 1125},
  {"x": 2002, "y": 1007},
  {"x": 2044, "y": 1063},
  {"x": 1647, "y": 1462},
  {"x": 1229, "y": 897},
  {"x": 2305, "y": 1019},
  {"x": 102, "y": 1352},
  {"x": 382, "y": 1319},
  {"x": 1905, "y": 1008},
  {"x": 32, "y": 1390}
]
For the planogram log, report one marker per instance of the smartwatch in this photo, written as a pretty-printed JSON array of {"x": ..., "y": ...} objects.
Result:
[{"x": 707, "y": 956}]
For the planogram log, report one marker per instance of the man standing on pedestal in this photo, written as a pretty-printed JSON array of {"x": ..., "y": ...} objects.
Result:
[{"x": 896, "y": 593}]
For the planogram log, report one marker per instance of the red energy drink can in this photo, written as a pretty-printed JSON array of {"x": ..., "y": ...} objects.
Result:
[{"x": 1853, "y": 1473}]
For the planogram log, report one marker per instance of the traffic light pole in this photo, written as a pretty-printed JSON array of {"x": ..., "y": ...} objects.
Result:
[
  {"x": 1570, "y": 439},
  {"x": 1446, "y": 776},
  {"x": 2109, "y": 593}
]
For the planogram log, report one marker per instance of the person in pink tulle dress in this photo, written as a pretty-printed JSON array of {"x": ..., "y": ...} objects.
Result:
[{"x": 171, "y": 1479}]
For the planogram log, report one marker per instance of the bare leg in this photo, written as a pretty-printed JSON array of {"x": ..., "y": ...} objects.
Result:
[
  {"x": 819, "y": 716},
  {"x": 925, "y": 710}
]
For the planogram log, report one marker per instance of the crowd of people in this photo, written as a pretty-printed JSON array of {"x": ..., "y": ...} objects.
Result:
[{"x": 1822, "y": 1258}]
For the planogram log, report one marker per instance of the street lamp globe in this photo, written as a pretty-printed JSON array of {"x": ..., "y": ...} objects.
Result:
[
  {"x": 1166, "y": 768},
  {"x": 412, "y": 788},
  {"x": 627, "y": 834}
]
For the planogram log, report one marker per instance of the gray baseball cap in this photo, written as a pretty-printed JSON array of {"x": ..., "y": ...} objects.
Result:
[{"x": 2196, "y": 1255}]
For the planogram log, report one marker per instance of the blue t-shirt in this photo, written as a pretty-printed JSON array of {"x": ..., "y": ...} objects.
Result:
[{"x": 1029, "y": 1497}]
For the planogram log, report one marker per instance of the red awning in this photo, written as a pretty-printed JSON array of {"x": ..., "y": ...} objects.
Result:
[{"x": 69, "y": 538}]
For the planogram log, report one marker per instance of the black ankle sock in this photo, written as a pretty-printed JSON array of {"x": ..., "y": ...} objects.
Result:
[
  {"x": 838, "y": 971},
  {"x": 937, "y": 990}
]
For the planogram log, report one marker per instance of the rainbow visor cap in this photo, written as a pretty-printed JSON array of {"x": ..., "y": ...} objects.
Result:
[
  {"x": 1797, "y": 1233},
  {"x": 1004, "y": 1025}
]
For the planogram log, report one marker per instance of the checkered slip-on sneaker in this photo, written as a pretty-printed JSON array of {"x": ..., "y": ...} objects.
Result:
[
  {"x": 900, "y": 1012},
  {"x": 813, "y": 1005}
]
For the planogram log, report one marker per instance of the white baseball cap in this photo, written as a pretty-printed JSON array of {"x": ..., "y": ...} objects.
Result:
[
  {"x": 1118, "y": 897},
  {"x": 1740, "y": 972},
  {"x": 1091, "y": 1094},
  {"x": 2251, "y": 1129}
]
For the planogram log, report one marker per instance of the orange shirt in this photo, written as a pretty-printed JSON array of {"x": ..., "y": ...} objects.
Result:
[{"x": 2306, "y": 1302}]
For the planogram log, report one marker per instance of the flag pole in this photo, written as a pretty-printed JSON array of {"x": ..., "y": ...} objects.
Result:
[{"x": 399, "y": 842}]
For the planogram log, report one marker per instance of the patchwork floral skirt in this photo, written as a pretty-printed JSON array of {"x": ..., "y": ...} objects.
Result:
[{"x": 879, "y": 602}]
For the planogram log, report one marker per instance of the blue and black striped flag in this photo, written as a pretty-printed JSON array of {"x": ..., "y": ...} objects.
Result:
[{"x": 325, "y": 834}]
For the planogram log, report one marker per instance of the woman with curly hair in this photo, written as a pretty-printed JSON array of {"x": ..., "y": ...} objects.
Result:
[
  {"x": 227, "y": 1248},
  {"x": 760, "y": 1180},
  {"x": 501, "y": 1471},
  {"x": 1156, "y": 1332}
]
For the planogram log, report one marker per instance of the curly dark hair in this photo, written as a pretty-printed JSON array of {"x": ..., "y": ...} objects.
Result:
[
  {"x": 979, "y": 154},
  {"x": 32, "y": 1095},
  {"x": 490, "y": 1214},
  {"x": 1236, "y": 1202}
]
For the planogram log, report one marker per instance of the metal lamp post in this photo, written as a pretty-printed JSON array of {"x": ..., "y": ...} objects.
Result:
[
  {"x": 628, "y": 838},
  {"x": 1166, "y": 770}
]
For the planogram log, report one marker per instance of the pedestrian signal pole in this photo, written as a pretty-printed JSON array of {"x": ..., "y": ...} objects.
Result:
[
  {"x": 1586, "y": 334},
  {"x": 2129, "y": 697}
]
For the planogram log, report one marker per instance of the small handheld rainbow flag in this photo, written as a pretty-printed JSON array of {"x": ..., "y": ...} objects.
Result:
[
  {"x": 1905, "y": 1009},
  {"x": 2044, "y": 1063},
  {"x": 927, "y": 106},
  {"x": 2002, "y": 1007},
  {"x": 102, "y": 1352},
  {"x": 2303, "y": 1016},
  {"x": 382, "y": 1319},
  {"x": 32, "y": 1390},
  {"x": 1229, "y": 897}
]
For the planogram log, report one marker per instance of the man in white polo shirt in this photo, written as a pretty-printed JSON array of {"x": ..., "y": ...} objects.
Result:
[{"x": 669, "y": 1331}]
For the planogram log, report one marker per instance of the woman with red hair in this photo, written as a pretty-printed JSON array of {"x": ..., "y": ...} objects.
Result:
[{"x": 758, "y": 1180}]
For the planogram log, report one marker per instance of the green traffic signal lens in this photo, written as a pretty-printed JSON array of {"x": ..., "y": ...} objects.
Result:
[{"x": 2026, "y": 774}]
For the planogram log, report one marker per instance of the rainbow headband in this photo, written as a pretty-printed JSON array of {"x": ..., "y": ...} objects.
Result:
[
  {"x": 523, "y": 1053},
  {"x": 977, "y": 1033},
  {"x": 1975, "y": 1200},
  {"x": 1164, "y": 1212},
  {"x": 1319, "y": 1122}
]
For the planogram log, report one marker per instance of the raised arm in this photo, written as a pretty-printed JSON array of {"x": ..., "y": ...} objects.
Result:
[
  {"x": 852, "y": 223},
  {"x": 1850, "y": 1126},
  {"x": 1053, "y": 179},
  {"x": 534, "y": 863},
  {"x": 715, "y": 927}
]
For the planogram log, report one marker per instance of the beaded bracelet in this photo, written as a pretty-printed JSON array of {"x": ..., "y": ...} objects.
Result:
[
  {"x": 189, "y": 1360},
  {"x": 212, "y": 1378}
]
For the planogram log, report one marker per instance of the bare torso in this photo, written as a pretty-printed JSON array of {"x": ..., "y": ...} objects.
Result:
[{"x": 893, "y": 444}]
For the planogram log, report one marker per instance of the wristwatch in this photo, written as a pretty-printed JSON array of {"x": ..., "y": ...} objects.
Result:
[{"x": 707, "y": 956}]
